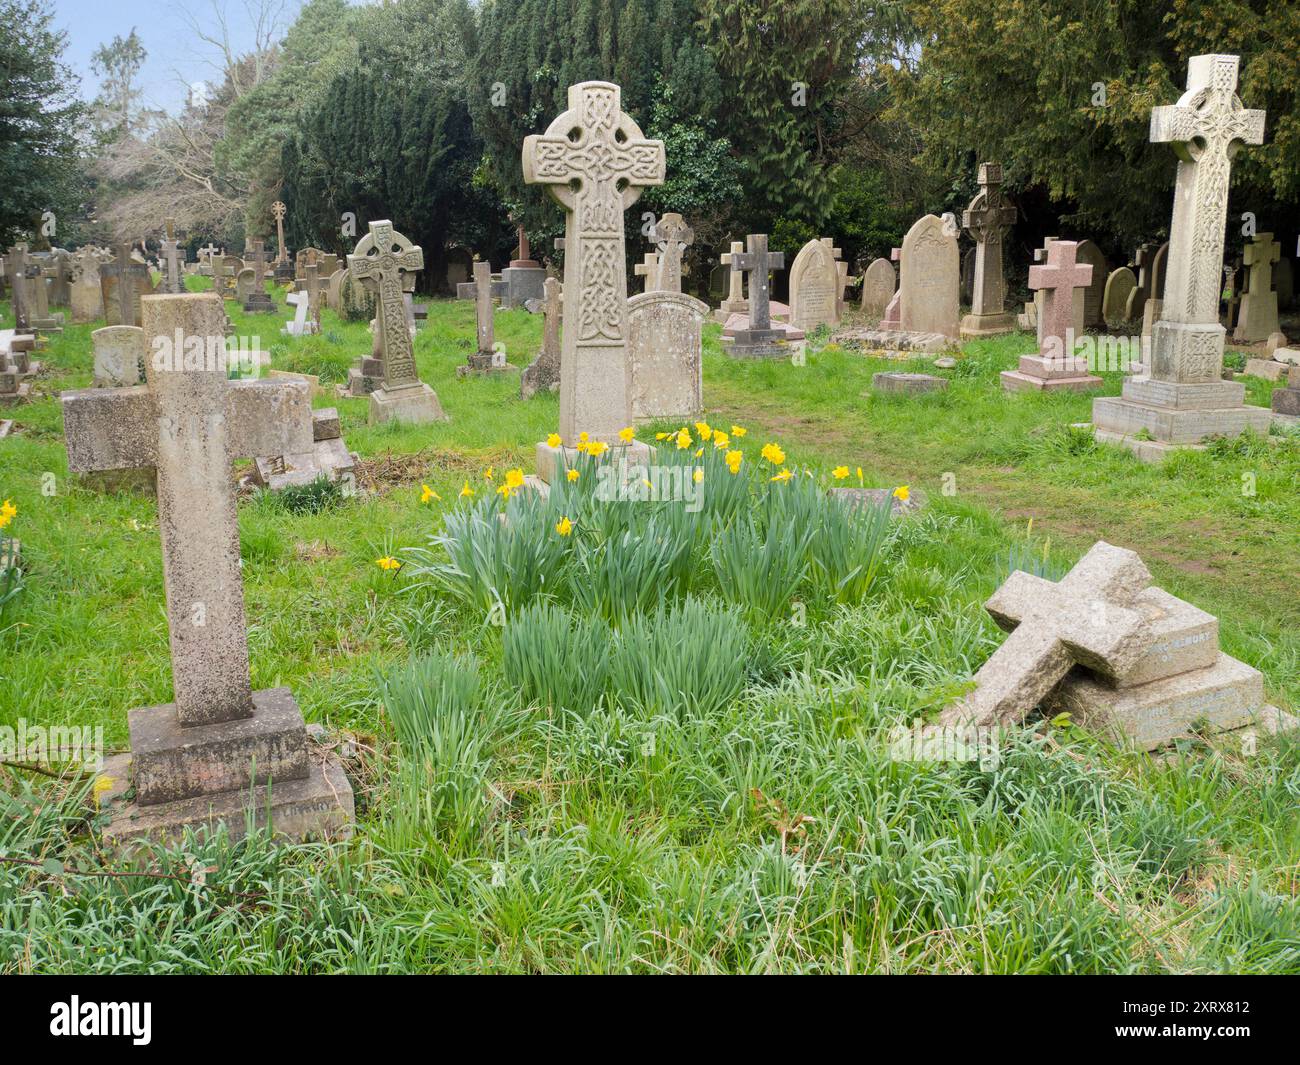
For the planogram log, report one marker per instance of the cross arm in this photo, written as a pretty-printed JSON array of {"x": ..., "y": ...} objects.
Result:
[{"x": 110, "y": 429}]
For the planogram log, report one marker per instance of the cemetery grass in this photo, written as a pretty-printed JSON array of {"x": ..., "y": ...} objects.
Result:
[{"x": 758, "y": 823}]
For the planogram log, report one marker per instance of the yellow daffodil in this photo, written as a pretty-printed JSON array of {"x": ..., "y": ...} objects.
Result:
[
  {"x": 487, "y": 474},
  {"x": 7, "y": 512},
  {"x": 662, "y": 436},
  {"x": 627, "y": 435},
  {"x": 467, "y": 492},
  {"x": 840, "y": 472},
  {"x": 646, "y": 481},
  {"x": 703, "y": 429},
  {"x": 773, "y": 454},
  {"x": 721, "y": 440},
  {"x": 427, "y": 493},
  {"x": 734, "y": 459},
  {"x": 597, "y": 448},
  {"x": 698, "y": 476},
  {"x": 564, "y": 526},
  {"x": 901, "y": 493},
  {"x": 515, "y": 478},
  {"x": 859, "y": 476},
  {"x": 553, "y": 440},
  {"x": 783, "y": 476},
  {"x": 683, "y": 439},
  {"x": 699, "y": 452},
  {"x": 573, "y": 475},
  {"x": 102, "y": 784},
  {"x": 736, "y": 430},
  {"x": 387, "y": 563}
]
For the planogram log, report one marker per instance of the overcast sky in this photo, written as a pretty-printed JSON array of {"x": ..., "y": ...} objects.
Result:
[{"x": 175, "y": 57}]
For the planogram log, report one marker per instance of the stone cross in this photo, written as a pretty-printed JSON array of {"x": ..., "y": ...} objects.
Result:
[
  {"x": 381, "y": 257},
  {"x": 1087, "y": 618},
  {"x": 648, "y": 268},
  {"x": 313, "y": 288},
  {"x": 258, "y": 302},
  {"x": 758, "y": 263},
  {"x": 207, "y": 252},
  {"x": 1057, "y": 279},
  {"x": 1257, "y": 318},
  {"x": 188, "y": 422},
  {"x": 172, "y": 256},
  {"x": 595, "y": 161},
  {"x": 1205, "y": 128},
  {"x": 483, "y": 307},
  {"x": 16, "y": 268},
  {"x": 672, "y": 236},
  {"x": 543, "y": 373},
  {"x": 277, "y": 211},
  {"x": 129, "y": 275},
  {"x": 986, "y": 219},
  {"x": 736, "y": 279}
]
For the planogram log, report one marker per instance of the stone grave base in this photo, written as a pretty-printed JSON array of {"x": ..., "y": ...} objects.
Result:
[
  {"x": 856, "y": 497},
  {"x": 1043, "y": 374},
  {"x": 310, "y": 379},
  {"x": 260, "y": 304},
  {"x": 757, "y": 344},
  {"x": 328, "y": 458},
  {"x": 552, "y": 461},
  {"x": 22, "y": 395},
  {"x": 1268, "y": 369},
  {"x": 987, "y": 325},
  {"x": 482, "y": 364},
  {"x": 1286, "y": 403},
  {"x": 909, "y": 383},
  {"x": 202, "y": 774},
  {"x": 416, "y": 404},
  {"x": 1154, "y": 418},
  {"x": 893, "y": 341},
  {"x": 728, "y": 308},
  {"x": 6, "y": 427},
  {"x": 1227, "y": 695}
]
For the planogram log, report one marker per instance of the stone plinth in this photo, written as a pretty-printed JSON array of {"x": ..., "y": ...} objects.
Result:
[{"x": 910, "y": 383}]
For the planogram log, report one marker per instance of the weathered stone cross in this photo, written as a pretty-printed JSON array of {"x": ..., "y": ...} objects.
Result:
[
  {"x": 1057, "y": 279},
  {"x": 1087, "y": 617},
  {"x": 277, "y": 211},
  {"x": 381, "y": 257},
  {"x": 16, "y": 268},
  {"x": 595, "y": 161},
  {"x": 758, "y": 262},
  {"x": 1205, "y": 128},
  {"x": 483, "y": 311},
  {"x": 188, "y": 422},
  {"x": 987, "y": 218},
  {"x": 258, "y": 302},
  {"x": 735, "y": 279},
  {"x": 1260, "y": 255},
  {"x": 129, "y": 277},
  {"x": 672, "y": 236},
  {"x": 648, "y": 268},
  {"x": 171, "y": 249},
  {"x": 313, "y": 290}
]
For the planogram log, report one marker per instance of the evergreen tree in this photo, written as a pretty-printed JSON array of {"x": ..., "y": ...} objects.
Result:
[{"x": 40, "y": 165}]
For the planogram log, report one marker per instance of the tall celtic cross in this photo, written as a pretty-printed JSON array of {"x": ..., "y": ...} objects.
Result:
[
  {"x": 277, "y": 211},
  {"x": 595, "y": 161},
  {"x": 381, "y": 257},
  {"x": 1205, "y": 128},
  {"x": 187, "y": 423},
  {"x": 129, "y": 277},
  {"x": 758, "y": 262},
  {"x": 671, "y": 236},
  {"x": 987, "y": 218}
]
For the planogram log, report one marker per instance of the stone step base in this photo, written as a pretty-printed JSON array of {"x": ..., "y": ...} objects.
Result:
[
  {"x": 21, "y": 395},
  {"x": 413, "y": 405},
  {"x": 1226, "y": 695},
  {"x": 909, "y": 383},
  {"x": 319, "y": 806},
  {"x": 986, "y": 325},
  {"x": 1016, "y": 381},
  {"x": 893, "y": 340},
  {"x": 1124, "y": 418}
]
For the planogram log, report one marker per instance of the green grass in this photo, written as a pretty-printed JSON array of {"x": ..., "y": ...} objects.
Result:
[{"x": 549, "y": 808}]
